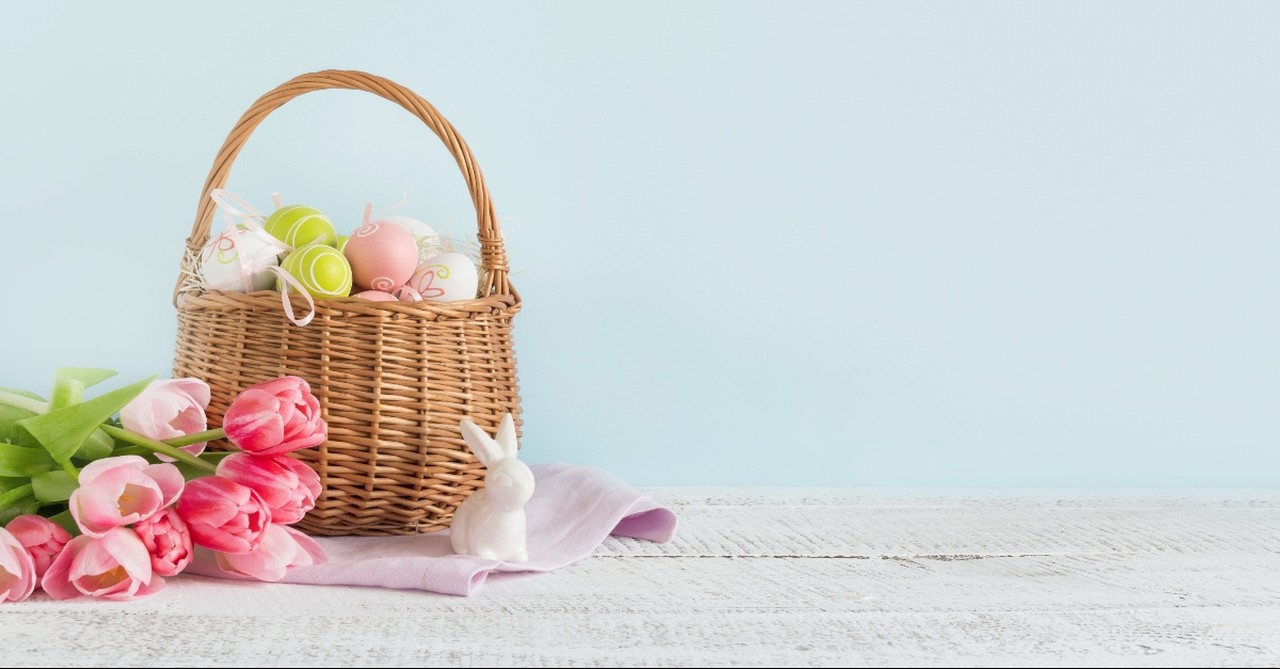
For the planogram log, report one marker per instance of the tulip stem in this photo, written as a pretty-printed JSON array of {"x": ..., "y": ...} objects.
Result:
[
  {"x": 207, "y": 435},
  {"x": 158, "y": 447},
  {"x": 71, "y": 471}
]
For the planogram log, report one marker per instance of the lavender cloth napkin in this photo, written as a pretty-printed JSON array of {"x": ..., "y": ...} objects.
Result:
[{"x": 573, "y": 509}]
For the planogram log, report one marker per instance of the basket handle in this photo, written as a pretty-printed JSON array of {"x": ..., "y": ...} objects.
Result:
[{"x": 492, "y": 250}]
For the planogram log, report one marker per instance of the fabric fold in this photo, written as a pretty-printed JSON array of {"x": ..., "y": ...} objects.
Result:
[{"x": 573, "y": 509}]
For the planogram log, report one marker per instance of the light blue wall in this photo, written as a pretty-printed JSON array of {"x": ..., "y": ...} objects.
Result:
[{"x": 1009, "y": 244}]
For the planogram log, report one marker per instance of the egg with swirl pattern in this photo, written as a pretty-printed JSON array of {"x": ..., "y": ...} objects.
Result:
[{"x": 382, "y": 255}]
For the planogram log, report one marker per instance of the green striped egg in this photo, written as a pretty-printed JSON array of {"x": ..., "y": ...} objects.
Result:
[
  {"x": 298, "y": 226},
  {"x": 322, "y": 270}
]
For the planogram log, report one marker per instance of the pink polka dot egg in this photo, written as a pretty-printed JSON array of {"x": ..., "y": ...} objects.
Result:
[{"x": 382, "y": 255}]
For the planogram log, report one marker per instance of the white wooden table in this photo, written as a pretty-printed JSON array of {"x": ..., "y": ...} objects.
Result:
[{"x": 765, "y": 577}]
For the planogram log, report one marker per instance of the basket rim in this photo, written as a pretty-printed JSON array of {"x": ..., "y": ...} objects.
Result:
[{"x": 270, "y": 300}]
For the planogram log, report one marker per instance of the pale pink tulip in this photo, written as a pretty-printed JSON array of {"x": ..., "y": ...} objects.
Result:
[
  {"x": 168, "y": 541},
  {"x": 167, "y": 409},
  {"x": 42, "y": 538},
  {"x": 17, "y": 569},
  {"x": 113, "y": 566},
  {"x": 289, "y": 487},
  {"x": 275, "y": 417},
  {"x": 282, "y": 549},
  {"x": 223, "y": 515},
  {"x": 121, "y": 490}
]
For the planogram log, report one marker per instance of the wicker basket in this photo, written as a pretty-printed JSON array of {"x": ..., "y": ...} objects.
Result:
[{"x": 393, "y": 378}]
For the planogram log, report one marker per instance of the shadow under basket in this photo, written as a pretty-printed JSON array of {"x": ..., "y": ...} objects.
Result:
[{"x": 393, "y": 378}]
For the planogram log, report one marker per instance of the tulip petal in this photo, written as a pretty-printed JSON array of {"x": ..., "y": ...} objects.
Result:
[
  {"x": 57, "y": 580},
  {"x": 144, "y": 589},
  {"x": 10, "y": 557},
  {"x": 196, "y": 389},
  {"x": 128, "y": 551},
  {"x": 18, "y": 577},
  {"x": 168, "y": 479},
  {"x": 94, "y": 469},
  {"x": 309, "y": 546}
]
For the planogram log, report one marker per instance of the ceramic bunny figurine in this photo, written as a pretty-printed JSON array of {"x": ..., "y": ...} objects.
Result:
[{"x": 490, "y": 524}]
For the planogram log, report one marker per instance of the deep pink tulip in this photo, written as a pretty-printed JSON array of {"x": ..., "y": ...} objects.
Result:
[
  {"x": 113, "y": 566},
  {"x": 223, "y": 515},
  {"x": 282, "y": 549},
  {"x": 42, "y": 538},
  {"x": 17, "y": 569},
  {"x": 121, "y": 490},
  {"x": 167, "y": 409},
  {"x": 289, "y": 487},
  {"x": 275, "y": 417},
  {"x": 168, "y": 542}
]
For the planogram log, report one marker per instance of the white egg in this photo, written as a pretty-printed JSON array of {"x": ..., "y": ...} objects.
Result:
[
  {"x": 237, "y": 260},
  {"x": 448, "y": 277},
  {"x": 425, "y": 236}
]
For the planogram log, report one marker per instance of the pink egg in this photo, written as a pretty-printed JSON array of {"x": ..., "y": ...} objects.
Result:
[
  {"x": 375, "y": 296},
  {"x": 382, "y": 255}
]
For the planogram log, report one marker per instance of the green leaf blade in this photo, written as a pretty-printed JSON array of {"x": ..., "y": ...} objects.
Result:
[
  {"x": 53, "y": 486},
  {"x": 22, "y": 462},
  {"x": 62, "y": 432}
]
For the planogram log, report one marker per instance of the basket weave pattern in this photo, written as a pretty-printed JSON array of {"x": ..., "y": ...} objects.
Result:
[{"x": 393, "y": 378}]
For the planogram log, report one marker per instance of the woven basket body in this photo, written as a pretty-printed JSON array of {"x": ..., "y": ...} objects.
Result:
[{"x": 393, "y": 378}]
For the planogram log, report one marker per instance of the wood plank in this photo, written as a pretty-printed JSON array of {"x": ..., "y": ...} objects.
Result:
[
  {"x": 793, "y": 578},
  {"x": 687, "y": 611},
  {"x": 966, "y": 497},
  {"x": 796, "y": 523}
]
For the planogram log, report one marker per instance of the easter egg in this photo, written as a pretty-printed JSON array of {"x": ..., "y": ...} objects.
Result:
[
  {"x": 382, "y": 256},
  {"x": 298, "y": 226},
  {"x": 376, "y": 296},
  {"x": 448, "y": 277},
  {"x": 237, "y": 260},
  {"x": 321, "y": 270},
  {"x": 423, "y": 235}
]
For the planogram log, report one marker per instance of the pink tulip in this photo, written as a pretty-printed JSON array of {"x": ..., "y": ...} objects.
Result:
[
  {"x": 17, "y": 569},
  {"x": 113, "y": 566},
  {"x": 121, "y": 490},
  {"x": 42, "y": 538},
  {"x": 282, "y": 549},
  {"x": 275, "y": 417},
  {"x": 289, "y": 487},
  {"x": 168, "y": 541},
  {"x": 223, "y": 515},
  {"x": 168, "y": 409}
]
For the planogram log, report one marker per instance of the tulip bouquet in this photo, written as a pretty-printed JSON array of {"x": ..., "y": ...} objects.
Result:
[{"x": 107, "y": 497}]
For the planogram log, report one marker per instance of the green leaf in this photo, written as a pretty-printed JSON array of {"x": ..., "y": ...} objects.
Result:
[
  {"x": 21, "y": 400},
  {"x": 64, "y": 431},
  {"x": 69, "y": 384},
  {"x": 10, "y": 415},
  {"x": 23, "y": 393},
  {"x": 8, "y": 513},
  {"x": 86, "y": 376},
  {"x": 14, "y": 496},
  {"x": 67, "y": 521},
  {"x": 96, "y": 447},
  {"x": 23, "y": 462},
  {"x": 190, "y": 472},
  {"x": 54, "y": 486}
]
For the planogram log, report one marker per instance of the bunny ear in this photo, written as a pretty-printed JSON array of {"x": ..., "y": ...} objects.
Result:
[
  {"x": 481, "y": 444},
  {"x": 507, "y": 436}
]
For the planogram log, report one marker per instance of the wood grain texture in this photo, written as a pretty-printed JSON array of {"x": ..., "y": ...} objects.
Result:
[{"x": 769, "y": 577}]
